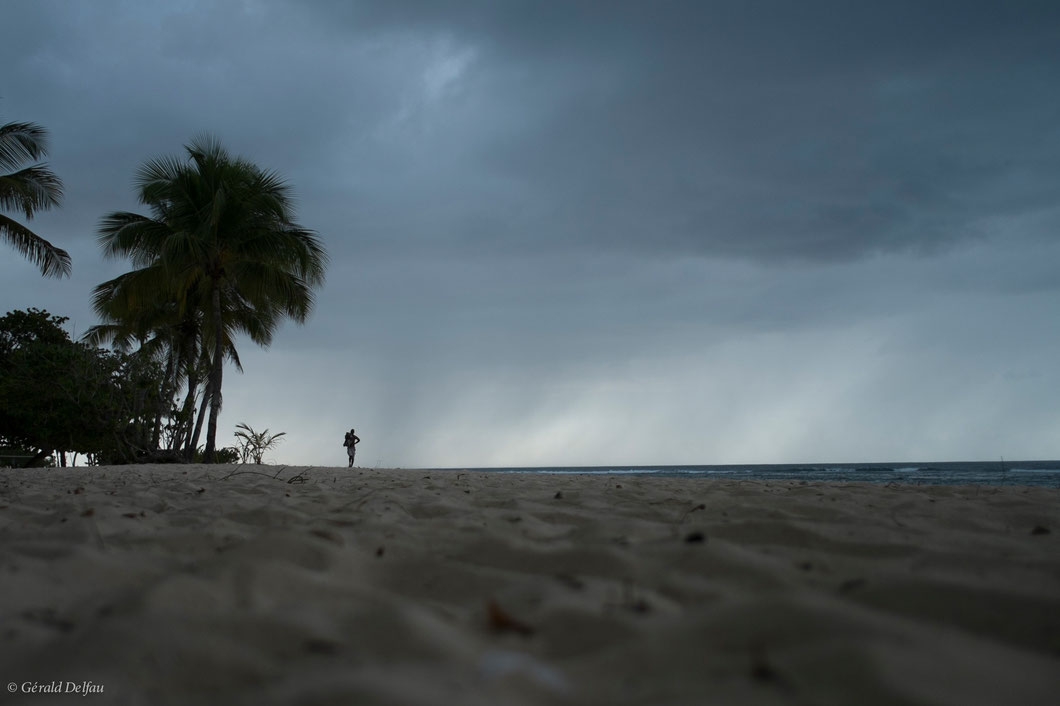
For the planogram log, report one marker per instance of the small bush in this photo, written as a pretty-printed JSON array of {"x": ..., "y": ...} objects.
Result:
[{"x": 254, "y": 444}]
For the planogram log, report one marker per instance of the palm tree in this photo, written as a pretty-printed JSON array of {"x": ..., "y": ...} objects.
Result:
[
  {"x": 152, "y": 323},
  {"x": 138, "y": 308},
  {"x": 221, "y": 243},
  {"x": 29, "y": 190}
]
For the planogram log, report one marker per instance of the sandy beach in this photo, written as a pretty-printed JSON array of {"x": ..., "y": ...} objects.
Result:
[{"x": 294, "y": 585}]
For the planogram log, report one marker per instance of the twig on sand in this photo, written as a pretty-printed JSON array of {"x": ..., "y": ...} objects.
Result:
[
  {"x": 237, "y": 472},
  {"x": 501, "y": 621},
  {"x": 297, "y": 478},
  {"x": 359, "y": 500},
  {"x": 97, "y": 535},
  {"x": 245, "y": 473},
  {"x": 701, "y": 506}
]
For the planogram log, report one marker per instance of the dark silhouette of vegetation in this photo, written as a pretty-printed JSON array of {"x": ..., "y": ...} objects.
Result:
[
  {"x": 219, "y": 255},
  {"x": 58, "y": 395},
  {"x": 29, "y": 189},
  {"x": 156, "y": 331}
]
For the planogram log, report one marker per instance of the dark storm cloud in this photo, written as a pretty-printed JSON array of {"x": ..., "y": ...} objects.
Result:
[
  {"x": 723, "y": 229},
  {"x": 765, "y": 130},
  {"x": 118, "y": 83}
]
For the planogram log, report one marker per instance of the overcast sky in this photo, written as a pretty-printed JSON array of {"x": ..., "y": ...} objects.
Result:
[{"x": 590, "y": 233}]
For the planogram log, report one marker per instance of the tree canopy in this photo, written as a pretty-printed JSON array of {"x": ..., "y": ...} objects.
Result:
[
  {"x": 219, "y": 255},
  {"x": 57, "y": 394}
]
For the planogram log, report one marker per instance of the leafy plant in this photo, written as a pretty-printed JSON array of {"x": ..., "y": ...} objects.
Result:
[
  {"x": 253, "y": 444},
  {"x": 226, "y": 454}
]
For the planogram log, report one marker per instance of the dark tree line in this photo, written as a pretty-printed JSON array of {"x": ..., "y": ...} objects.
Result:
[{"x": 59, "y": 396}]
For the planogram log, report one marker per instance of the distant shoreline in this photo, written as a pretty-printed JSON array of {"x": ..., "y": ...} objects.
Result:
[
  {"x": 1016, "y": 473},
  {"x": 1037, "y": 473}
]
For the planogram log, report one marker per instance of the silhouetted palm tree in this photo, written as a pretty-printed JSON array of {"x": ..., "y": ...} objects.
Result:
[
  {"x": 153, "y": 324},
  {"x": 138, "y": 308},
  {"x": 29, "y": 190},
  {"x": 220, "y": 242}
]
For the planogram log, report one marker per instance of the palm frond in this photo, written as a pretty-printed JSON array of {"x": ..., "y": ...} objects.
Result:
[
  {"x": 117, "y": 335},
  {"x": 138, "y": 295},
  {"x": 154, "y": 181},
  {"x": 124, "y": 234},
  {"x": 206, "y": 150},
  {"x": 29, "y": 190},
  {"x": 52, "y": 261},
  {"x": 21, "y": 143}
]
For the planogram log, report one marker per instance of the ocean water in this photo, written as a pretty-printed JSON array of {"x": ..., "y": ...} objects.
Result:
[{"x": 1037, "y": 473}]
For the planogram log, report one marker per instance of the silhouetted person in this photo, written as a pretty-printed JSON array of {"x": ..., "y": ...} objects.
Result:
[{"x": 351, "y": 445}]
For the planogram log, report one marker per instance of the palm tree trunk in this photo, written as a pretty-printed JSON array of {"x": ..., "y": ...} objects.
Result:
[
  {"x": 194, "y": 442},
  {"x": 164, "y": 397},
  {"x": 215, "y": 378},
  {"x": 188, "y": 414},
  {"x": 187, "y": 417},
  {"x": 139, "y": 421}
]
